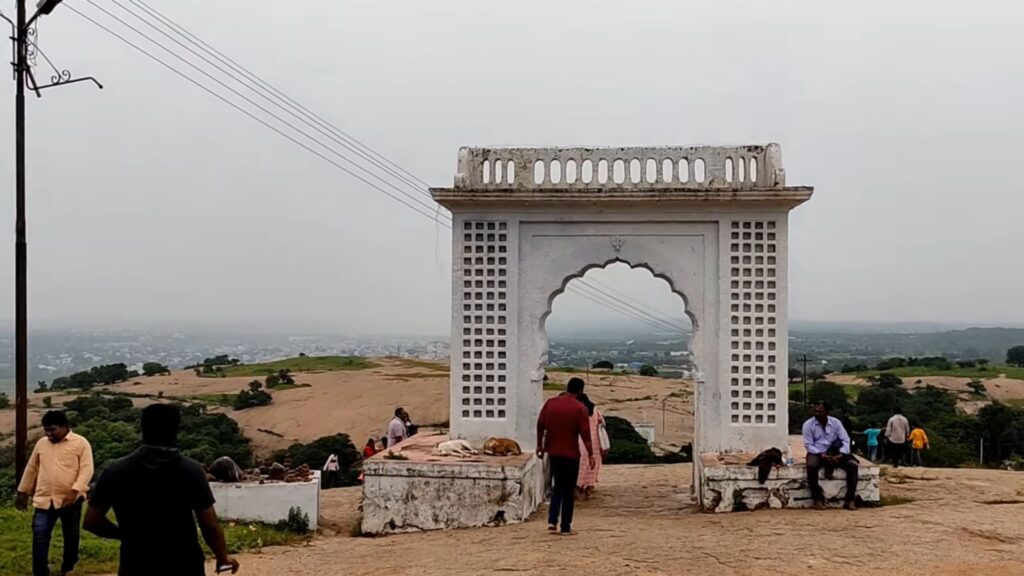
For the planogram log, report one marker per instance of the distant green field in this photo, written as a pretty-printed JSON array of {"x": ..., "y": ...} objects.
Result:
[
  {"x": 851, "y": 390},
  {"x": 979, "y": 372},
  {"x": 299, "y": 364},
  {"x": 99, "y": 556}
]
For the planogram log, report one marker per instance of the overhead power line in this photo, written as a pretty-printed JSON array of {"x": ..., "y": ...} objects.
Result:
[
  {"x": 583, "y": 291},
  {"x": 379, "y": 159},
  {"x": 398, "y": 195},
  {"x": 637, "y": 303},
  {"x": 403, "y": 183}
]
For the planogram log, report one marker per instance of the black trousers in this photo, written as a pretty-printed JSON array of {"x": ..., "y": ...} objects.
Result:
[
  {"x": 897, "y": 453},
  {"x": 815, "y": 462},
  {"x": 564, "y": 472}
]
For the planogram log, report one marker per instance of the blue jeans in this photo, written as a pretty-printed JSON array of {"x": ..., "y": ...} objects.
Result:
[
  {"x": 564, "y": 472},
  {"x": 42, "y": 528},
  {"x": 873, "y": 453}
]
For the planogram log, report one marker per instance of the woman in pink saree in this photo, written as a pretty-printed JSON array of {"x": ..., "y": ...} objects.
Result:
[{"x": 587, "y": 480}]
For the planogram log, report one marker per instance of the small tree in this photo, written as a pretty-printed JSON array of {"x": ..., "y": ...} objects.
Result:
[
  {"x": 5, "y": 402},
  {"x": 1015, "y": 356},
  {"x": 648, "y": 370},
  {"x": 48, "y": 402},
  {"x": 41, "y": 386},
  {"x": 272, "y": 380},
  {"x": 155, "y": 369},
  {"x": 795, "y": 374},
  {"x": 603, "y": 365},
  {"x": 887, "y": 380}
]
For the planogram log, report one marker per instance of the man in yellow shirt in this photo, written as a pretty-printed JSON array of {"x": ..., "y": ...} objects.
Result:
[
  {"x": 56, "y": 479},
  {"x": 918, "y": 443}
]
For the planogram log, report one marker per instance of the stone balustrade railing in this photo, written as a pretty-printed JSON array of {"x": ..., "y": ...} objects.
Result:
[{"x": 631, "y": 168}]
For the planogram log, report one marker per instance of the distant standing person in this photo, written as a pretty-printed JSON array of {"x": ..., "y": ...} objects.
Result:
[
  {"x": 157, "y": 496},
  {"x": 56, "y": 479},
  {"x": 872, "y": 435},
  {"x": 918, "y": 444},
  {"x": 396, "y": 428},
  {"x": 828, "y": 446},
  {"x": 562, "y": 424},
  {"x": 370, "y": 449},
  {"x": 587, "y": 480},
  {"x": 897, "y": 430},
  {"x": 330, "y": 471}
]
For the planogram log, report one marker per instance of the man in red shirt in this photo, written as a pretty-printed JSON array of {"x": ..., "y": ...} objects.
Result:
[{"x": 562, "y": 423}]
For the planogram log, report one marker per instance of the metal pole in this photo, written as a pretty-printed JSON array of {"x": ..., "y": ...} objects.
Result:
[
  {"x": 805, "y": 379},
  {"x": 20, "y": 251}
]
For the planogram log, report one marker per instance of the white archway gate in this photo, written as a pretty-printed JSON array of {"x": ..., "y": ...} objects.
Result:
[{"x": 712, "y": 221}]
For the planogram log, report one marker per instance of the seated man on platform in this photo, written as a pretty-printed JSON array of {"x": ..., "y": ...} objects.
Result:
[{"x": 828, "y": 446}]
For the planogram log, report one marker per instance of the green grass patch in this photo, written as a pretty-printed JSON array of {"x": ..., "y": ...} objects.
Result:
[
  {"x": 99, "y": 556},
  {"x": 979, "y": 372},
  {"x": 852, "y": 391},
  {"x": 422, "y": 364},
  {"x": 286, "y": 386},
  {"x": 554, "y": 386},
  {"x": 227, "y": 400},
  {"x": 299, "y": 364},
  {"x": 1015, "y": 402},
  {"x": 890, "y": 500}
]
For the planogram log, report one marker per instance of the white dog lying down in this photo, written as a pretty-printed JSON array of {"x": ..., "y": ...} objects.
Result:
[{"x": 457, "y": 448}]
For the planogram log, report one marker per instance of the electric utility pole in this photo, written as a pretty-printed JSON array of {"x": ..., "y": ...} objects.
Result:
[{"x": 23, "y": 34}]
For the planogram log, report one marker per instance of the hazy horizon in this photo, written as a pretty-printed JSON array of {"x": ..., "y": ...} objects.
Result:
[{"x": 152, "y": 203}]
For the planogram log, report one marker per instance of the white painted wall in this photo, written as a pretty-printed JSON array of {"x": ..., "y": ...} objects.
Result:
[{"x": 267, "y": 503}]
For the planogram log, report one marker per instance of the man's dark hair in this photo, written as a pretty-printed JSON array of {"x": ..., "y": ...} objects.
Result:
[
  {"x": 824, "y": 405},
  {"x": 55, "y": 418},
  {"x": 399, "y": 410},
  {"x": 160, "y": 424},
  {"x": 575, "y": 386}
]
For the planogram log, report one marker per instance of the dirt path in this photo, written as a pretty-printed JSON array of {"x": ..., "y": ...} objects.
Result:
[{"x": 961, "y": 522}]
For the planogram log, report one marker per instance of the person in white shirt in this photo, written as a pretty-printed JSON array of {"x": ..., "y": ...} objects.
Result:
[
  {"x": 331, "y": 471},
  {"x": 396, "y": 428},
  {"x": 897, "y": 430}
]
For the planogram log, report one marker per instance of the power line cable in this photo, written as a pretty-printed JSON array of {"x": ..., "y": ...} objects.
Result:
[
  {"x": 659, "y": 313},
  {"x": 581, "y": 290},
  {"x": 243, "y": 69},
  {"x": 278, "y": 98},
  {"x": 414, "y": 207},
  {"x": 251, "y": 102},
  {"x": 622, "y": 306},
  {"x": 640, "y": 312}
]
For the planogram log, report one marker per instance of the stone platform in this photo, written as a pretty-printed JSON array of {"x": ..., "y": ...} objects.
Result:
[
  {"x": 728, "y": 484},
  {"x": 420, "y": 491}
]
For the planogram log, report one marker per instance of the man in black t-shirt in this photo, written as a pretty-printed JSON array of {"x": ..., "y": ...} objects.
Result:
[{"x": 157, "y": 496}]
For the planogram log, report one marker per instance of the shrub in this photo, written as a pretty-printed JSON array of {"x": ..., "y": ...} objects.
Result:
[
  {"x": 5, "y": 401},
  {"x": 154, "y": 369},
  {"x": 648, "y": 370},
  {"x": 603, "y": 365},
  {"x": 627, "y": 445},
  {"x": 296, "y": 523},
  {"x": 316, "y": 453}
]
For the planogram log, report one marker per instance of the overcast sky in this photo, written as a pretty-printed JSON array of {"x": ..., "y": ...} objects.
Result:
[{"x": 150, "y": 201}]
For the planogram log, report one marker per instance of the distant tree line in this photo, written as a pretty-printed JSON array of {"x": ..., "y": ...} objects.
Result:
[
  {"x": 954, "y": 437},
  {"x": 111, "y": 425},
  {"x": 95, "y": 376}
]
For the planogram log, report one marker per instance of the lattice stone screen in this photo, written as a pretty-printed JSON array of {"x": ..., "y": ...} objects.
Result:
[
  {"x": 483, "y": 393},
  {"x": 753, "y": 378}
]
